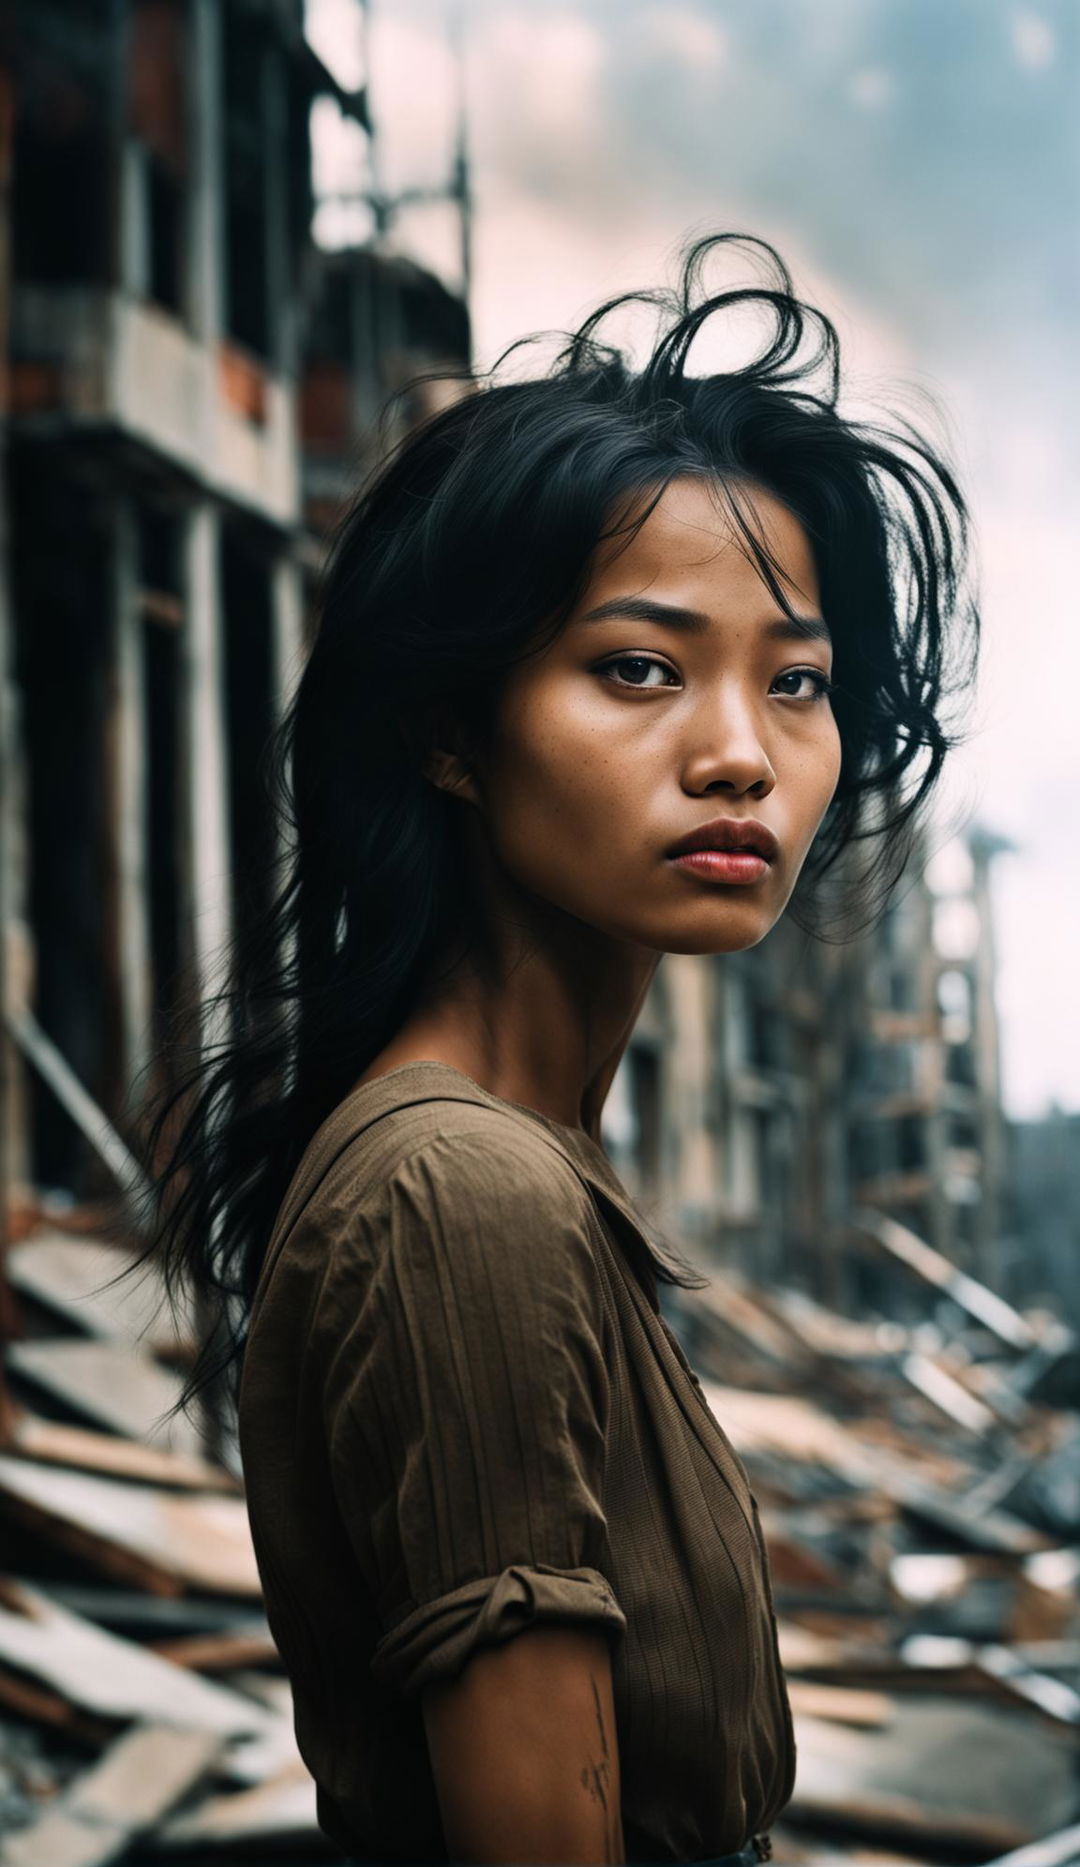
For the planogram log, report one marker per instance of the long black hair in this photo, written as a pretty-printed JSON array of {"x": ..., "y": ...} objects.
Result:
[{"x": 468, "y": 548}]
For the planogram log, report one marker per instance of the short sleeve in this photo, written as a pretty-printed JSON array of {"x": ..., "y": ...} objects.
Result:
[{"x": 467, "y": 1402}]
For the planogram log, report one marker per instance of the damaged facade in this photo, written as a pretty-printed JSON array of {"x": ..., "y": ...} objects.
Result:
[{"x": 193, "y": 387}]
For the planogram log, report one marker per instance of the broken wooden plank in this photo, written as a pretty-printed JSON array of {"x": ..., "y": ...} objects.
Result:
[
  {"x": 164, "y": 1540},
  {"x": 786, "y": 1424},
  {"x": 72, "y": 1276},
  {"x": 947, "y": 1394},
  {"x": 218, "y": 1653},
  {"x": 842, "y": 1704},
  {"x": 111, "y": 1384},
  {"x": 943, "y": 1772},
  {"x": 909, "y": 1249},
  {"x": 138, "y": 1615},
  {"x": 142, "y": 1776},
  {"x": 802, "y": 1650},
  {"x": 1053, "y": 1697},
  {"x": 282, "y": 1808},
  {"x": 921, "y": 1456},
  {"x": 35, "y": 1703},
  {"x": 114, "y": 1678},
  {"x": 51, "y": 1064},
  {"x": 835, "y": 1337},
  {"x": 55, "y": 1443},
  {"x": 989, "y": 1530}
]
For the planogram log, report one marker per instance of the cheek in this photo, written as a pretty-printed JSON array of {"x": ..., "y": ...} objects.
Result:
[
  {"x": 549, "y": 803},
  {"x": 559, "y": 796},
  {"x": 820, "y": 777}
]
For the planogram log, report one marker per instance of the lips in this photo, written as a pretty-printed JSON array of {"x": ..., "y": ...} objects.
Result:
[{"x": 729, "y": 835}]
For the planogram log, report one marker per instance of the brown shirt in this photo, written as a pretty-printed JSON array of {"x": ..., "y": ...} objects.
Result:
[{"x": 461, "y": 1414}]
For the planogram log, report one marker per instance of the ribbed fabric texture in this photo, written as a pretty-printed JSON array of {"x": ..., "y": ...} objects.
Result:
[{"x": 461, "y": 1415}]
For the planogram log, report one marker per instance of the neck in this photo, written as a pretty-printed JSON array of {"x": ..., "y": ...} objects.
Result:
[{"x": 543, "y": 1019}]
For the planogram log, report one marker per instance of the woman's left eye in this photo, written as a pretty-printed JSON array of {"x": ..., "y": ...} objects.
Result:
[
  {"x": 823, "y": 686},
  {"x": 634, "y": 661}
]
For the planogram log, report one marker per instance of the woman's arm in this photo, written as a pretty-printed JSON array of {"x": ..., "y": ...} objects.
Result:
[{"x": 524, "y": 1752}]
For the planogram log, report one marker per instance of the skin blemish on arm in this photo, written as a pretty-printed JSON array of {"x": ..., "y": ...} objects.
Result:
[{"x": 595, "y": 1778}]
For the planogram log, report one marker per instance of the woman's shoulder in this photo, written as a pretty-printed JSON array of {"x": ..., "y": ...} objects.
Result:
[
  {"x": 390, "y": 1144},
  {"x": 445, "y": 1197}
]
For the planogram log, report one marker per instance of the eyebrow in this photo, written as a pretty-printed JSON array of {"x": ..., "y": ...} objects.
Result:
[{"x": 695, "y": 622}]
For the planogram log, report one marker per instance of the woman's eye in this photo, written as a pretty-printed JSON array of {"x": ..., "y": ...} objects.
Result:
[
  {"x": 822, "y": 685},
  {"x": 642, "y": 666}
]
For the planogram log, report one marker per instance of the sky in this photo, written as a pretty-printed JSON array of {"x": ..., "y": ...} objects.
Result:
[{"x": 917, "y": 164}]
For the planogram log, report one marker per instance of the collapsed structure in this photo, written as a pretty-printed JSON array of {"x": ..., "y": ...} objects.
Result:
[{"x": 919, "y": 1498}]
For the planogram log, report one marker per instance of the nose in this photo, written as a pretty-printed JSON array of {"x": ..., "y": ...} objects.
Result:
[{"x": 728, "y": 752}]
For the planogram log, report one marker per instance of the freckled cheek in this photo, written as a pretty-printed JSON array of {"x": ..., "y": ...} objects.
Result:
[
  {"x": 561, "y": 797},
  {"x": 820, "y": 779}
]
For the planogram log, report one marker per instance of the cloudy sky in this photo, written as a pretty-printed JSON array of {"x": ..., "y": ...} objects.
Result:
[{"x": 917, "y": 162}]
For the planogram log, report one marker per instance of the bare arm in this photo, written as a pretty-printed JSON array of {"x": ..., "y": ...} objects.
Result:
[{"x": 524, "y": 1752}]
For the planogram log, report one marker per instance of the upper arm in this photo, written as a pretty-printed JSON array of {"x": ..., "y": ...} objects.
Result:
[
  {"x": 466, "y": 1401},
  {"x": 524, "y": 1751}
]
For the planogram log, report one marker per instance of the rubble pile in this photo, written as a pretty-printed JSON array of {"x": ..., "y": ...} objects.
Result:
[
  {"x": 919, "y": 1491},
  {"x": 144, "y": 1714}
]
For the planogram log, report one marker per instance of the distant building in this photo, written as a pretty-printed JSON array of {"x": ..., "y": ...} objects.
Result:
[
  {"x": 192, "y": 391},
  {"x": 1042, "y": 1211}
]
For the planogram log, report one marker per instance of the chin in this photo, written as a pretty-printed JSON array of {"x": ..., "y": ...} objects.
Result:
[
  {"x": 714, "y": 933},
  {"x": 733, "y": 940}
]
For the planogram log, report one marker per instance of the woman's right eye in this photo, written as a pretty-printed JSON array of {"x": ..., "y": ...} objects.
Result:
[{"x": 635, "y": 661}]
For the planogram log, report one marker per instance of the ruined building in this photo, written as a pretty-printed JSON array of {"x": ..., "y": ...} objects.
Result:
[{"x": 193, "y": 386}]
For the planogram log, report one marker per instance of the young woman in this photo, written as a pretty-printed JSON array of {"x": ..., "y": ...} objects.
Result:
[{"x": 611, "y": 663}]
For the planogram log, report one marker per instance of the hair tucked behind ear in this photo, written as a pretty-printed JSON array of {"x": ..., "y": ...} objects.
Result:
[{"x": 523, "y": 479}]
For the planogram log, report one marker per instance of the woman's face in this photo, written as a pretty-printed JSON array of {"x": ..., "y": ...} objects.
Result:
[{"x": 677, "y": 693}]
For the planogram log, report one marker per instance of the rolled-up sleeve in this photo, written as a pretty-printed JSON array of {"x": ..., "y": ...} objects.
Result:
[{"x": 467, "y": 1400}]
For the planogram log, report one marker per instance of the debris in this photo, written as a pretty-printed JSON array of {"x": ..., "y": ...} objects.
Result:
[
  {"x": 83, "y": 1665},
  {"x": 155, "y": 1617},
  {"x": 941, "y": 1774},
  {"x": 281, "y": 1808},
  {"x": 844, "y": 1704},
  {"x": 56, "y": 1444},
  {"x": 219, "y": 1653},
  {"x": 137, "y": 1781},
  {"x": 987, "y": 1308},
  {"x": 165, "y": 1541},
  {"x": 947, "y": 1394},
  {"x": 71, "y": 1276},
  {"x": 109, "y": 1386},
  {"x": 917, "y": 1497}
]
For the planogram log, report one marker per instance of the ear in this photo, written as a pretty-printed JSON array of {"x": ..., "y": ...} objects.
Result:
[
  {"x": 450, "y": 773},
  {"x": 444, "y": 761}
]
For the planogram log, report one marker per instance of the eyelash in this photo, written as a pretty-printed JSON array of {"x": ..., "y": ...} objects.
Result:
[{"x": 825, "y": 686}]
